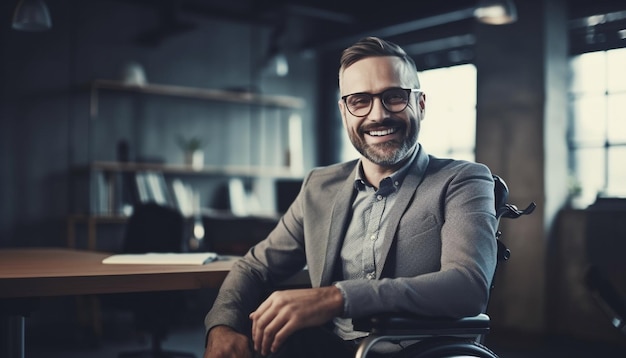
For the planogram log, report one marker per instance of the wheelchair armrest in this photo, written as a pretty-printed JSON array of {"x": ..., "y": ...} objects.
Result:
[
  {"x": 607, "y": 296},
  {"x": 407, "y": 324}
]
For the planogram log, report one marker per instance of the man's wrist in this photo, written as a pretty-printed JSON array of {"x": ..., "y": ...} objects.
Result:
[{"x": 216, "y": 330}]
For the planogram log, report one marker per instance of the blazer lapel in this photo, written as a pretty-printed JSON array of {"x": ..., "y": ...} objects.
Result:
[
  {"x": 405, "y": 195},
  {"x": 338, "y": 220}
]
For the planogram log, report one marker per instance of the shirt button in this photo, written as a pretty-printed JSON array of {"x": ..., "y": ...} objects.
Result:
[
  {"x": 373, "y": 237},
  {"x": 371, "y": 276},
  {"x": 379, "y": 197}
]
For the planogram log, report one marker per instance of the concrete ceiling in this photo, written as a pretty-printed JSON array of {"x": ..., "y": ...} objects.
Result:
[{"x": 327, "y": 25}]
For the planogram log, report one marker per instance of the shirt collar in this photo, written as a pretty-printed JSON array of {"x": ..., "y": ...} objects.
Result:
[{"x": 391, "y": 182}]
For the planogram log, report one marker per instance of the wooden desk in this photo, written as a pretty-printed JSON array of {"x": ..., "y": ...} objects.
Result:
[{"x": 44, "y": 272}]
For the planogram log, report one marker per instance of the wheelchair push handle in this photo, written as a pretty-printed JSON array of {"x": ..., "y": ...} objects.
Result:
[{"x": 511, "y": 211}]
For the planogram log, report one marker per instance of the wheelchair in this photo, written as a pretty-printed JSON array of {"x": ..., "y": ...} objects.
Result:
[{"x": 440, "y": 337}]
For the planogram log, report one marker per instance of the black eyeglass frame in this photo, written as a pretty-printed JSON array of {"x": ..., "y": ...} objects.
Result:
[{"x": 380, "y": 95}]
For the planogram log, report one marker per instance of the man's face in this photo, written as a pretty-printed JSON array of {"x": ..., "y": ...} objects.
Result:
[{"x": 382, "y": 137}]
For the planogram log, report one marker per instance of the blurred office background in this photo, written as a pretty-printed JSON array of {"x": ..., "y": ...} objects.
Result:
[{"x": 109, "y": 94}]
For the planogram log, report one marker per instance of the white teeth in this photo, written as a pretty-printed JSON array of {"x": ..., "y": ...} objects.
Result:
[{"x": 382, "y": 133}]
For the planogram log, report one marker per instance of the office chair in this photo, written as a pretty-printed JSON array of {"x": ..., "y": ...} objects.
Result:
[
  {"x": 154, "y": 228},
  {"x": 227, "y": 234},
  {"x": 439, "y": 337}
]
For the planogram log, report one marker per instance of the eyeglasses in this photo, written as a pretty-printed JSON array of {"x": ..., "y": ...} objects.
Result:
[{"x": 394, "y": 100}]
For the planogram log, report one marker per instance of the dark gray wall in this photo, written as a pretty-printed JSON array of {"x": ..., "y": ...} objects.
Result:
[{"x": 45, "y": 128}]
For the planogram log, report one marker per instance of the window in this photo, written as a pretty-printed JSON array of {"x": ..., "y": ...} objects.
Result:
[
  {"x": 449, "y": 127},
  {"x": 597, "y": 131}
]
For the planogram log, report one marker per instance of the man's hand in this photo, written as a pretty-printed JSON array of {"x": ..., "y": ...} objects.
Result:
[
  {"x": 285, "y": 312},
  {"x": 224, "y": 342}
]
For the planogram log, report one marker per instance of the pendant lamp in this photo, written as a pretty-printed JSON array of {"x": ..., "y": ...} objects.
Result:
[
  {"x": 496, "y": 12},
  {"x": 31, "y": 15}
]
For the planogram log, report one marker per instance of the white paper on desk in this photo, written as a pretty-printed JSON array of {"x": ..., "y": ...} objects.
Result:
[{"x": 158, "y": 258}]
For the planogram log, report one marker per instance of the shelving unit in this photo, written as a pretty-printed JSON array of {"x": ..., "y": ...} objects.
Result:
[
  {"x": 192, "y": 92},
  {"x": 104, "y": 176},
  {"x": 182, "y": 169}
]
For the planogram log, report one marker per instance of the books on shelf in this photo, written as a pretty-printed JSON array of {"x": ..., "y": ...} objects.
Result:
[
  {"x": 141, "y": 188},
  {"x": 111, "y": 191},
  {"x": 107, "y": 199},
  {"x": 186, "y": 198},
  {"x": 242, "y": 201},
  {"x": 151, "y": 186},
  {"x": 103, "y": 201}
]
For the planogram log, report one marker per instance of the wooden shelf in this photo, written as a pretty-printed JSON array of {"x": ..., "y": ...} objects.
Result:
[
  {"x": 181, "y": 169},
  {"x": 202, "y": 93}
]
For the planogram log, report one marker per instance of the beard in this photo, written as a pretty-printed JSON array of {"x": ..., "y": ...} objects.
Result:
[{"x": 388, "y": 153}]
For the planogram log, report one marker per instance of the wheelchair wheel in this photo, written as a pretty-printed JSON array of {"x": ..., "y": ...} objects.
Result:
[{"x": 446, "y": 347}]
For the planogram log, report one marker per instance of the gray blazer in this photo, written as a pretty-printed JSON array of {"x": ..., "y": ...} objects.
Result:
[{"x": 439, "y": 250}]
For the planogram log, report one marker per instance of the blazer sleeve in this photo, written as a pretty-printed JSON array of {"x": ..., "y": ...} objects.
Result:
[{"x": 251, "y": 279}]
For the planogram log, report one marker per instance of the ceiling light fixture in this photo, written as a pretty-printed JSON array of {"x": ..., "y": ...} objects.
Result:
[
  {"x": 496, "y": 12},
  {"x": 278, "y": 65},
  {"x": 31, "y": 15}
]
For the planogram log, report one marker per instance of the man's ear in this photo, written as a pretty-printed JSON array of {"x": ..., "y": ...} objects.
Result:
[
  {"x": 342, "y": 111},
  {"x": 342, "y": 108}
]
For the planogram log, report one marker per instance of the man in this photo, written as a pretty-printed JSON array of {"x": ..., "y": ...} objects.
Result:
[{"x": 396, "y": 230}]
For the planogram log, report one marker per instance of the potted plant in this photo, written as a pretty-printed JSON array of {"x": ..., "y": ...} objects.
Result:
[{"x": 192, "y": 148}]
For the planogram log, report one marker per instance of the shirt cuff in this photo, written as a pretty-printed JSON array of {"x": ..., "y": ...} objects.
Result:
[{"x": 345, "y": 298}]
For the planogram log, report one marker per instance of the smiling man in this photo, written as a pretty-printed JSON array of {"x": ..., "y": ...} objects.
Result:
[
  {"x": 397, "y": 230},
  {"x": 385, "y": 131}
]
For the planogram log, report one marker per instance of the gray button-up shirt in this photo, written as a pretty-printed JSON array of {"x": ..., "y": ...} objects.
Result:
[{"x": 361, "y": 247}]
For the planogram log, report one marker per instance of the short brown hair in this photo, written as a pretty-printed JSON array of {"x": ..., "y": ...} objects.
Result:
[{"x": 374, "y": 46}]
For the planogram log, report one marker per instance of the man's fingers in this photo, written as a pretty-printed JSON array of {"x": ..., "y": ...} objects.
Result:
[
  {"x": 281, "y": 336},
  {"x": 281, "y": 321},
  {"x": 284, "y": 312},
  {"x": 254, "y": 329},
  {"x": 260, "y": 318},
  {"x": 267, "y": 323},
  {"x": 258, "y": 328},
  {"x": 261, "y": 331}
]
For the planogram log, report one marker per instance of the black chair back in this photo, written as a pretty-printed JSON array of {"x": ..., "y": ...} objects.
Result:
[{"x": 154, "y": 228}]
